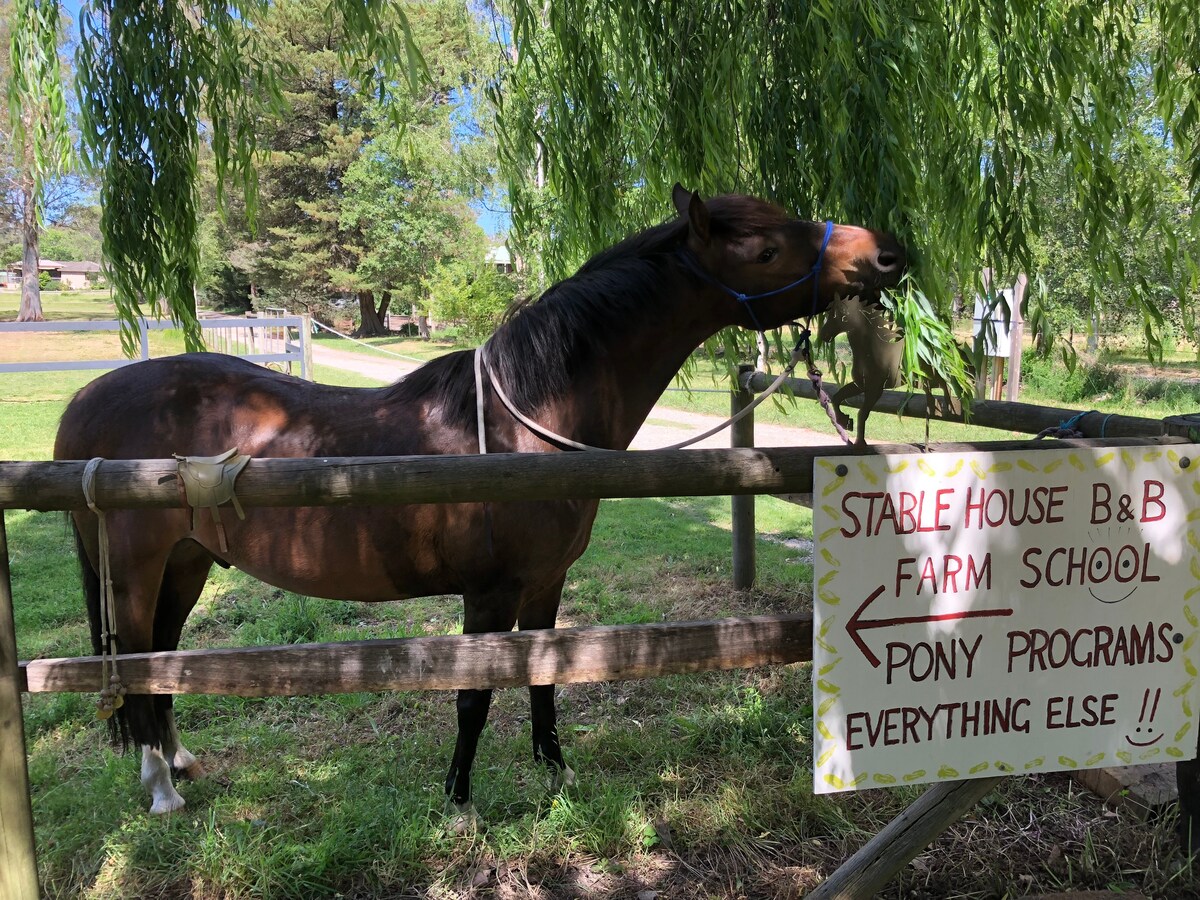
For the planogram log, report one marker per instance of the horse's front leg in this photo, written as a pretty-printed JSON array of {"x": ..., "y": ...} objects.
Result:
[
  {"x": 540, "y": 612},
  {"x": 485, "y": 612},
  {"x": 847, "y": 390}
]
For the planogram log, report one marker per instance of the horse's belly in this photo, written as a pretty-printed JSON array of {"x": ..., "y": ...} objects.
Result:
[{"x": 375, "y": 554}]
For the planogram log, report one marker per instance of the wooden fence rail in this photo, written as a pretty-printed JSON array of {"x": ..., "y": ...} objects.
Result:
[
  {"x": 1006, "y": 415},
  {"x": 544, "y": 657},
  {"x": 389, "y": 480},
  {"x": 510, "y": 659}
]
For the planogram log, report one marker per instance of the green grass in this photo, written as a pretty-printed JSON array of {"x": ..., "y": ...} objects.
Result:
[
  {"x": 62, "y": 305},
  {"x": 694, "y": 786}
]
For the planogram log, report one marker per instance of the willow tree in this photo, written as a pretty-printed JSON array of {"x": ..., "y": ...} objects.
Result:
[
  {"x": 934, "y": 121},
  {"x": 37, "y": 143},
  {"x": 155, "y": 79}
]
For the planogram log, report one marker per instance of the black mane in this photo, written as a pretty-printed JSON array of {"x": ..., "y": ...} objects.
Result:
[{"x": 545, "y": 344}]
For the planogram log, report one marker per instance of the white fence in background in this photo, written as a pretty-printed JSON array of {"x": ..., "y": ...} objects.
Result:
[{"x": 276, "y": 341}]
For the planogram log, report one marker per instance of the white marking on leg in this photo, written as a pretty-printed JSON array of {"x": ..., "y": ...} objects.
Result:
[
  {"x": 156, "y": 778},
  {"x": 561, "y": 778},
  {"x": 181, "y": 759},
  {"x": 465, "y": 819}
]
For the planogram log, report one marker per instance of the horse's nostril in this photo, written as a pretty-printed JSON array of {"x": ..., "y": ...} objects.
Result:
[{"x": 887, "y": 260}]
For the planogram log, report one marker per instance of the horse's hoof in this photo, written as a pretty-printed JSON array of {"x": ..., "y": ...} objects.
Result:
[
  {"x": 562, "y": 778},
  {"x": 167, "y": 804},
  {"x": 465, "y": 820}
]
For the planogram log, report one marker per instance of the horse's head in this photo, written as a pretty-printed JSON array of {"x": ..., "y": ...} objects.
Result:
[{"x": 777, "y": 268}]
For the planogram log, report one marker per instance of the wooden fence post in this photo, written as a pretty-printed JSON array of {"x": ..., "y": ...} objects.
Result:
[
  {"x": 1016, "y": 336},
  {"x": 1187, "y": 773},
  {"x": 741, "y": 434},
  {"x": 18, "y": 864}
]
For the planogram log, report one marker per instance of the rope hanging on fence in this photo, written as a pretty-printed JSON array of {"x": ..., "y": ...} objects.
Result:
[
  {"x": 352, "y": 340},
  {"x": 112, "y": 691},
  {"x": 1069, "y": 429}
]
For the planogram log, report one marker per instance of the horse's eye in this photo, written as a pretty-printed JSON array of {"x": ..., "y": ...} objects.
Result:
[{"x": 767, "y": 255}]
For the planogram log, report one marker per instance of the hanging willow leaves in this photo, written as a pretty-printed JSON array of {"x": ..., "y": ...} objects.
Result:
[
  {"x": 36, "y": 102},
  {"x": 933, "y": 121},
  {"x": 155, "y": 79}
]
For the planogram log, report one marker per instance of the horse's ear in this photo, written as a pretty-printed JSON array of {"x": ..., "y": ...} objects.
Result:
[
  {"x": 689, "y": 204},
  {"x": 681, "y": 197}
]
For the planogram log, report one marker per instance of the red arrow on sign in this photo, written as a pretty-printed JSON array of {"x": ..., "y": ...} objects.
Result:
[{"x": 857, "y": 623}]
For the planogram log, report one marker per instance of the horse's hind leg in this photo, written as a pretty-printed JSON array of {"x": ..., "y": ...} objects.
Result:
[
  {"x": 540, "y": 612},
  {"x": 145, "y": 573},
  {"x": 183, "y": 577},
  {"x": 183, "y": 581}
]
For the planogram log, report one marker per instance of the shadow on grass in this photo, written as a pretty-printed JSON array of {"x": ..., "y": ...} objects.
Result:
[{"x": 313, "y": 796}]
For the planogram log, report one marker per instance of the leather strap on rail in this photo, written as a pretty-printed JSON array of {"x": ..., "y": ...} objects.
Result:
[{"x": 207, "y": 482}]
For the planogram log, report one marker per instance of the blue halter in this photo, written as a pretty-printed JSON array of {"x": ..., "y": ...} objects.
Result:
[{"x": 746, "y": 298}]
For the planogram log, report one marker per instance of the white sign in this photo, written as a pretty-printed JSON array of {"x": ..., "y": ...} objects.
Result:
[{"x": 981, "y": 614}]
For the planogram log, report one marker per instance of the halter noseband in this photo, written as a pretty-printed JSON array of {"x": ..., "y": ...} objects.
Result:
[{"x": 746, "y": 298}]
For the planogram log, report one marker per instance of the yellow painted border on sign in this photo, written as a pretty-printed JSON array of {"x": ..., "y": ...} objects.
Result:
[{"x": 826, "y": 690}]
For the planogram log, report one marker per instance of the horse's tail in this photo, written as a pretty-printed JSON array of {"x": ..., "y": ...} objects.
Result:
[{"x": 118, "y": 728}]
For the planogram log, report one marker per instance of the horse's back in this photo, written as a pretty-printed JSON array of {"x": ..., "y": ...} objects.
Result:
[{"x": 204, "y": 403}]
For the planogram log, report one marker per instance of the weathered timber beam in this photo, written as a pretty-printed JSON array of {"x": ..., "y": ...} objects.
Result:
[
  {"x": 868, "y": 871},
  {"x": 1025, "y": 418},
  {"x": 18, "y": 857},
  {"x": 391, "y": 480},
  {"x": 510, "y": 659}
]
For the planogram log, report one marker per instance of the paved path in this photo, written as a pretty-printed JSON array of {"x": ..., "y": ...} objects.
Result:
[{"x": 664, "y": 425}]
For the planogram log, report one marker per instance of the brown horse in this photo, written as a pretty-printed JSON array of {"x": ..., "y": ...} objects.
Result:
[{"x": 587, "y": 360}]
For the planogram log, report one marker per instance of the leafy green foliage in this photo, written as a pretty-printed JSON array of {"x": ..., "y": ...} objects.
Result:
[
  {"x": 37, "y": 103},
  {"x": 930, "y": 347},
  {"x": 62, "y": 243},
  {"x": 939, "y": 124},
  {"x": 148, "y": 75},
  {"x": 357, "y": 196},
  {"x": 474, "y": 295}
]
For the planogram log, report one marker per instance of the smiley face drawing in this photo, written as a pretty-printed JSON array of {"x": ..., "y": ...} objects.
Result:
[
  {"x": 1114, "y": 574},
  {"x": 1145, "y": 728}
]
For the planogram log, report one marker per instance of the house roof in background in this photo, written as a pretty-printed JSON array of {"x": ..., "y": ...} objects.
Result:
[{"x": 63, "y": 265}]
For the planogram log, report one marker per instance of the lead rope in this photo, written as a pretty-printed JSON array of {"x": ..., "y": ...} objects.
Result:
[
  {"x": 481, "y": 366},
  {"x": 112, "y": 691},
  {"x": 479, "y": 425},
  {"x": 804, "y": 345}
]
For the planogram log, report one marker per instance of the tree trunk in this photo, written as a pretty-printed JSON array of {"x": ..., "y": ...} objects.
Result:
[
  {"x": 371, "y": 319},
  {"x": 31, "y": 291}
]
